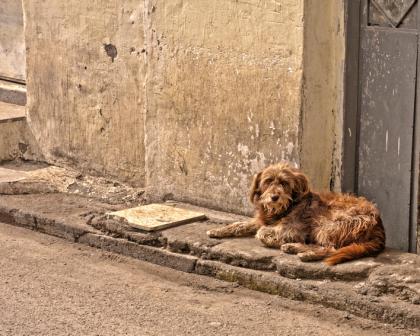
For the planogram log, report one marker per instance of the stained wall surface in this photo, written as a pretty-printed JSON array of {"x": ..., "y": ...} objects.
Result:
[
  {"x": 188, "y": 98},
  {"x": 85, "y": 84},
  {"x": 223, "y": 95}
]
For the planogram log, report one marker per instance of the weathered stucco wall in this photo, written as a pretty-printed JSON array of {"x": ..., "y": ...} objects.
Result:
[
  {"x": 323, "y": 85},
  {"x": 189, "y": 98},
  {"x": 223, "y": 95},
  {"x": 85, "y": 71}
]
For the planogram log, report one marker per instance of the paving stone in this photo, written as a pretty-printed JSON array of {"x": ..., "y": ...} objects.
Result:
[
  {"x": 191, "y": 238},
  {"x": 121, "y": 229},
  {"x": 153, "y": 217},
  {"x": 212, "y": 215},
  {"x": 245, "y": 252}
]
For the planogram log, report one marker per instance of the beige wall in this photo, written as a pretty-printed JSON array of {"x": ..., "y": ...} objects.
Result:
[
  {"x": 200, "y": 96},
  {"x": 223, "y": 95},
  {"x": 323, "y": 85},
  {"x": 85, "y": 108}
]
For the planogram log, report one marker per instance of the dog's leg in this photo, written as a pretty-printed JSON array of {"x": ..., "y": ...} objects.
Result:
[
  {"x": 276, "y": 236},
  {"x": 317, "y": 253},
  {"x": 238, "y": 229}
]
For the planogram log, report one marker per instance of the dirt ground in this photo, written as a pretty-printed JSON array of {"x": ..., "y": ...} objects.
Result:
[{"x": 51, "y": 287}]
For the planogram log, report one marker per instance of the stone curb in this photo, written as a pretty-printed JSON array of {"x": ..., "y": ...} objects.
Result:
[
  {"x": 325, "y": 293},
  {"x": 46, "y": 225},
  {"x": 159, "y": 256}
]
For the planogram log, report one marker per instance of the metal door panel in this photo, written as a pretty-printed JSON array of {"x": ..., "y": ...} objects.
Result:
[{"x": 388, "y": 60}]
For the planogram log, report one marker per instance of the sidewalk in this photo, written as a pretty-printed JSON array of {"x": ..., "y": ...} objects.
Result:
[{"x": 386, "y": 288}]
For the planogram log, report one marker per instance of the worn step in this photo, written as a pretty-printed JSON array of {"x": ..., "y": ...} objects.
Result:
[
  {"x": 12, "y": 93},
  {"x": 16, "y": 139},
  {"x": 11, "y": 112}
]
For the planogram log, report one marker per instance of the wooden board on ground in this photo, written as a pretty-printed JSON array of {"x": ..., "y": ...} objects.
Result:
[{"x": 154, "y": 217}]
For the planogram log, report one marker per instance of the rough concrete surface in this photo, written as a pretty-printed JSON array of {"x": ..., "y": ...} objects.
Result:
[
  {"x": 51, "y": 287},
  {"x": 79, "y": 219},
  {"x": 43, "y": 178}
]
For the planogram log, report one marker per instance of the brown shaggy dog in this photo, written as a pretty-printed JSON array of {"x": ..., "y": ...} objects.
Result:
[{"x": 315, "y": 226}]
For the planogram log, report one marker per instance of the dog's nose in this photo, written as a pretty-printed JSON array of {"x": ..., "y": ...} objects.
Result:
[{"x": 274, "y": 198}]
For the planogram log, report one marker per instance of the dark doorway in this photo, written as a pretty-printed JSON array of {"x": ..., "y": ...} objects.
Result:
[{"x": 380, "y": 149}]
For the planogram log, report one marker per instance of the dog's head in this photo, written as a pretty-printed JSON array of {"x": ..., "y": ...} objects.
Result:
[{"x": 278, "y": 186}]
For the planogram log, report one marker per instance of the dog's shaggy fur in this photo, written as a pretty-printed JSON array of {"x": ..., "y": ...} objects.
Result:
[{"x": 315, "y": 226}]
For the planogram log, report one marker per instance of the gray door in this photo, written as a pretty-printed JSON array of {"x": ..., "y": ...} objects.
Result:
[
  {"x": 388, "y": 56},
  {"x": 12, "y": 43}
]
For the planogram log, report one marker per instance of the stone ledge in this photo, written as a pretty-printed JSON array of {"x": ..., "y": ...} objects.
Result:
[
  {"x": 340, "y": 297},
  {"x": 245, "y": 252},
  {"x": 289, "y": 267},
  {"x": 59, "y": 215},
  {"x": 86, "y": 215},
  {"x": 386, "y": 293},
  {"x": 159, "y": 256}
]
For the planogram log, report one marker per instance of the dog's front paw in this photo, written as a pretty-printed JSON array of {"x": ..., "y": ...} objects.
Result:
[
  {"x": 215, "y": 233},
  {"x": 290, "y": 248}
]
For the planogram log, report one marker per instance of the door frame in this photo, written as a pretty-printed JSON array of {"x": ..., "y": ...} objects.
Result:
[{"x": 351, "y": 115}]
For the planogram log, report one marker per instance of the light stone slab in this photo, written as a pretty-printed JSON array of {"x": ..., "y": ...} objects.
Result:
[
  {"x": 10, "y": 175},
  {"x": 153, "y": 217}
]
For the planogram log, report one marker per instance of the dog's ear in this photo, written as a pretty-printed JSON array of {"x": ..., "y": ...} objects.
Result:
[
  {"x": 255, "y": 192},
  {"x": 300, "y": 185}
]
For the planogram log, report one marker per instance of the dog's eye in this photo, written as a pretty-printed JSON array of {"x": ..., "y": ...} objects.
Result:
[
  {"x": 283, "y": 183},
  {"x": 268, "y": 181}
]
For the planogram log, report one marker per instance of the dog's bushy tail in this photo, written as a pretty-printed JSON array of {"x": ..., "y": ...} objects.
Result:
[
  {"x": 360, "y": 249},
  {"x": 354, "y": 251}
]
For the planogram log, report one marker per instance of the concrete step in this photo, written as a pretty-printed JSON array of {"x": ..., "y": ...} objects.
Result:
[
  {"x": 12, "y": 93},
  {"x": 16, "y": 140}
]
